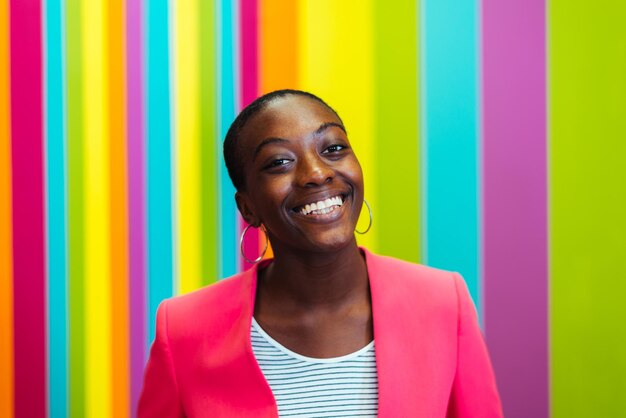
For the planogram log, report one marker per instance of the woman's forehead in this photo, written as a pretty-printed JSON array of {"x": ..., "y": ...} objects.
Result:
[{"x": 288, "y": 116}]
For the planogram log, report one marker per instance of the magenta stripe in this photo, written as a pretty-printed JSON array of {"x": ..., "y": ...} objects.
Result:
[
  {"x": 515, "y": 207},
  {"x": 136, "y": 198},
  {"x": 28, "y": 208},
  {"x": 248, "y": 91}
]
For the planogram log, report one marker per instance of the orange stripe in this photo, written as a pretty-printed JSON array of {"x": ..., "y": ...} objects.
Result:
[
  {"x": 278, "y": 53},
  {"x": 118, "y": 207},
  {"x": 6, "y": 253}
]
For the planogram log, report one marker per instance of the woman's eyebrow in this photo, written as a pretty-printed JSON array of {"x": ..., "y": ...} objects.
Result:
[
  {"x": 267, "y": 141},
  {"x": 327, "y": 125},
  {"x": 274, "y": 140}
]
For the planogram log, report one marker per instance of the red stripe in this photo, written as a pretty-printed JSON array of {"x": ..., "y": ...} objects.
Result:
[
  {"x": 249, "y": 90},
  {"x": 28, "y": 210}
]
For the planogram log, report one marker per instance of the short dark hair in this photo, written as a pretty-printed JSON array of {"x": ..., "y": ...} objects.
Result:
[{"x": 232, "y": 155}]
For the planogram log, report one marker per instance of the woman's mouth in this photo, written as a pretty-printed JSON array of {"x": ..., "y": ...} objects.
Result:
[{"x": 321, "y": 207}]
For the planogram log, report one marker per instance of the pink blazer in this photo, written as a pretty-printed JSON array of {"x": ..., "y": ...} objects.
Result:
[{"x": 430, "y": 355}]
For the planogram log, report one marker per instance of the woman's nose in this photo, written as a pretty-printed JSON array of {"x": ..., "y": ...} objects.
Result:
[{"x": 314, "y": 171}]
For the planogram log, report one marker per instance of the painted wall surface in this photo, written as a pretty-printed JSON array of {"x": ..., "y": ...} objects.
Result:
[{"x": 492, "y": 137}]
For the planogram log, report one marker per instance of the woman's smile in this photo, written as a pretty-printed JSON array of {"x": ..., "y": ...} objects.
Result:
[{"x": 323, "y": 210}]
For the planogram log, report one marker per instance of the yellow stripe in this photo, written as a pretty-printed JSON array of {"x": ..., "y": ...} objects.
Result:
[
  {"x": 187, "y": 144},
  {"x": 97, "y": 212},
  {"x": 336, "y": 63}
]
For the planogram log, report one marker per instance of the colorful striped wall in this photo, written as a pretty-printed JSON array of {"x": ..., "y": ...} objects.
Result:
[{"x": 492, "y": 136}]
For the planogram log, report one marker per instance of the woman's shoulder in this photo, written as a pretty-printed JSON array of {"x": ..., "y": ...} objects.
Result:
[
  {"x": 401, "y": 280},
  {"x": 217, "y": 303},
  {"x": 408, "y": 271}
]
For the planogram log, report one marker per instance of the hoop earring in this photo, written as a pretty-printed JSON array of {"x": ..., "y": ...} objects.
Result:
[
  {"x": 369, "y": 209},
  {"x": 243, "y": 235}
]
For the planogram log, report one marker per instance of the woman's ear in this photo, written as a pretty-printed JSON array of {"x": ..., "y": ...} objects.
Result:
[{"x": 246, "y": 210}]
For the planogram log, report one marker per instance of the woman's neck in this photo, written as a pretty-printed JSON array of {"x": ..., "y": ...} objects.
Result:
[{"x": 316, "y": 280}]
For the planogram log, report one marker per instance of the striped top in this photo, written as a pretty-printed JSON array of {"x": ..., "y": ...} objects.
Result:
[{"x": 345, "y": 386}]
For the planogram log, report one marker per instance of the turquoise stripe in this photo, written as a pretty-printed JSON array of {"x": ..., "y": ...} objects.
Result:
[
  {"x": 449, "y": 39},
  {"x": 159, "y": 168},
  {"x": 55, "y": 134},
  {"x": 227, "y": 112}
]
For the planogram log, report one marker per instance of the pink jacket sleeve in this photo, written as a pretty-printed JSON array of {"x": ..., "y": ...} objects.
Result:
[
  {"x": 160, "y": 394},
  {"x": 474, "y": 392}
]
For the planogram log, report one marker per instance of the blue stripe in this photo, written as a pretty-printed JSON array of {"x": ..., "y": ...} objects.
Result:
[
  {"x": 227, "y": 111},
  {"x": 56, "y": 222},
  {"x": 450, "y": 113},
  {"x": 159, "y": 169}
]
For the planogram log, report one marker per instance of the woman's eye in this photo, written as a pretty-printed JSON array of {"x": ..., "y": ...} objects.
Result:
[
  {"x": 334, "y": 148},
  {"x": 278, "y": 162}
]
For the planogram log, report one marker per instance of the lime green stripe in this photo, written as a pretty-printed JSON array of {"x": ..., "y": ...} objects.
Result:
[
  {"x": 209, "y": 143},
  {"x": 396, "y": 138},
  {"x": 76, "y": 213},
  {"x": 587, "y": 94}
]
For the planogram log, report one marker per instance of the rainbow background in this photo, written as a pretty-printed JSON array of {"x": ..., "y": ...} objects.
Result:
[{"x": 492, "y": 135}]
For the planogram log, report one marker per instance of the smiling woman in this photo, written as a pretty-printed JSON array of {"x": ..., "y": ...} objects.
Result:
[{"x": 325, "y": 328}]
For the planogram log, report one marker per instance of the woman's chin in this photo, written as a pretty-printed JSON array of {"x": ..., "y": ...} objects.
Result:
[{"x": 332, "y": 240}]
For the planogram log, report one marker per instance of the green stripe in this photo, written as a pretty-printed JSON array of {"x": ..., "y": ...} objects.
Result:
[
  {"x": 76, "y": 214},
  {"x": 208, "y": 142},
  {"x": 396, "y": 96},
  {"x": 587, "y": 95}
]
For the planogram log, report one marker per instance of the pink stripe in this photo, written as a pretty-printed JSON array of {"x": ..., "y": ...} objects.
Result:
[
  {"x": 136, "y": 198},
  {"x": 28, "y": 209},
  {"x": 249, "y": 90},
  {"x": 515, "y": 207}
]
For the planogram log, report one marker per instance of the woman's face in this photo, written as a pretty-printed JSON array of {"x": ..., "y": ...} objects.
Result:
[{"x": 303, "y": 181}]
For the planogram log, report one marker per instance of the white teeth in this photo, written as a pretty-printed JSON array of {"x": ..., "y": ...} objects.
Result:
[{"x": 323, "y": 206}]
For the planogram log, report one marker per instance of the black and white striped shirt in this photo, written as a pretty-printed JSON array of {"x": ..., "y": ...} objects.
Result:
[{"x": 345, "y": 386}]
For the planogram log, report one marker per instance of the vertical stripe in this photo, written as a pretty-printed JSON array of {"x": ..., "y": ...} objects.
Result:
[
  {"x": 514, "y": 220},
  {"x": 450, "y": 115},
  {"x": 342, "y": 33},
  {"x": 249, "y": 82},
  {"x": 76, "y": 209},
  {"x": 278, "y": 45},
  {"x": 97, "y": 211},
  {"x": 28, "y": 209},
  {"x": 56, "y": 214},
  {"x": 396, "y": 129},
  {"x": 118, "y": 204},
  {"x": 136, "y": 197},
  {"x": 188, "y": 187},
  {"x": 209, "y": 202},
  {"x": 587, "y": 93},
  {"x": 158, "y": 142},
  {"x": 6, "y": 229},
  {"x": 227, "y": 74},
  {"x": 277, "y": 55}
]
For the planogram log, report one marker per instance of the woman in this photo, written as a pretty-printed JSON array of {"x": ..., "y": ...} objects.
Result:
[{"x": 325, "y": 328}]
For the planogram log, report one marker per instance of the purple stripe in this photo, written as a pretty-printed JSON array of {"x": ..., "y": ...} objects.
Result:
[
  {"x": 136, "y": 178},
  {"x": 515, "y": 207}
]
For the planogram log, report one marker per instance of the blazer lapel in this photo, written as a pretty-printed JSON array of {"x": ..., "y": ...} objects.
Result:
[
  {"x": 255, "y": 391},
  {"x": 409, "y": 379}
]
